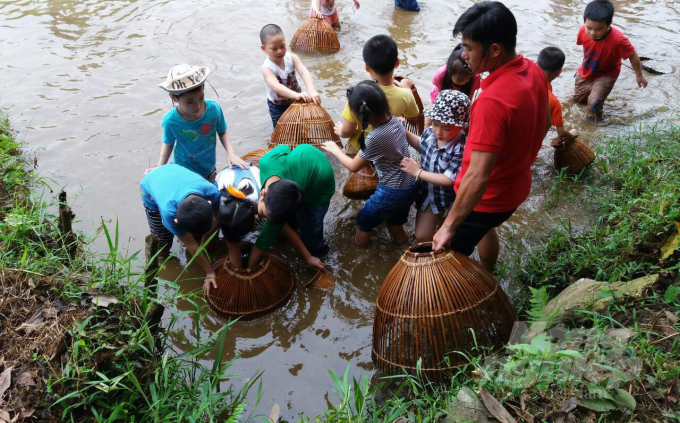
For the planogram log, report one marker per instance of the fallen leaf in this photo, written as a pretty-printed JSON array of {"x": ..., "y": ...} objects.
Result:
[
  {"x": 25, "y": 379},
  {"x": 672, "y": 317},
  {"x": 672, "y": 245},
  {"x": 4, "y": 416},
  {"x": 671, "y": 399},
  {"x": 5, "y": 381},
  {"x": 495, "y": 408},
  {"x": 668, "y": 330},
  {"x": 24, "y": 414}
]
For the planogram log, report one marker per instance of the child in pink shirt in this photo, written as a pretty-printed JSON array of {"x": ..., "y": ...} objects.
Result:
[{"x": 327, "y": 10}]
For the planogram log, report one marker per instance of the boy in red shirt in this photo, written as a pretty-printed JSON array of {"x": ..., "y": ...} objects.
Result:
[
  {"x": 603, "y": 49},
  {"x": 551, "y": 60}
]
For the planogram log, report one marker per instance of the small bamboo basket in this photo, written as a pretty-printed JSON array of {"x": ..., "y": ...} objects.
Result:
[
  {"x": 428, "y": 306},
  {"x": 255, "y": 155},
  {"x": 361, "y": 185},
  {"x": 315, "y": 34},
  {"x": 304, "y": 123},
  {"x": 250, "y": 293},
  {"x": 573, "y": 154},
  {"x": 416, "y": 124}
]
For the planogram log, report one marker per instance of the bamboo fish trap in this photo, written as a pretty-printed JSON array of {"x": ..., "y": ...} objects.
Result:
[
  {"x": 250, "y": 293},
  {"x": 361, "y": 185},
  {"x": 572, "y": 154},
  {"x": 428, "y": 305},
  {"x": 255, "y": 155},
  {"x": 304, "y": 123},
  {"x": 416, "y": 124},
  {"x": 315, "y": 34}
]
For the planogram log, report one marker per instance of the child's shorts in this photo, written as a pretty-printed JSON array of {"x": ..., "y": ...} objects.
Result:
[
  {"x": 593, "y": 91},
  {"x": 387, "y": 204},
  {"x": 157, "y": 228},
  {"x": 276, "y": 110},
  {"x": 331, "y": 19},
  {"x": 423, "y": 196}
]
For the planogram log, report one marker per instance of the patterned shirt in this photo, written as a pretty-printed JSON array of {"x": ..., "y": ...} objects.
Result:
[
  {"x": 386, "y": 145},
  {"x": 446, "y": 160}
]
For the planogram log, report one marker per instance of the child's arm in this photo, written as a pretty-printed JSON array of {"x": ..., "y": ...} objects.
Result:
[
  {"x": 563, "y": 133},
  {"x": 202, "y": 260},
  {"x": 412, "y": 167},
  {"x": 345, "y": 129},
  {"x": 637, "y": 67},
  {"x": 307, "y": 78},
  {"x": 413, "y": 140},
  {"x": 353, "y": 164},
  {"x": 294, "y": 239},
  {"x": 166, "y": 151},
  {"x": 280, "y": 89},
  {"x": 232, "y": 157}
]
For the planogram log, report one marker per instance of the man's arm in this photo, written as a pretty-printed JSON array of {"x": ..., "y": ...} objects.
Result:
[
  {"x": 470, "y": 193},
  {"x": 563, "y": 133},
  {"x": 637, "y": 67}
]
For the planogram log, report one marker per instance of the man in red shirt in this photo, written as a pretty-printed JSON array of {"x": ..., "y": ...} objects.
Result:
[
  {"x": 508, "y": 122},
  {"x": 603, "y": 49}
]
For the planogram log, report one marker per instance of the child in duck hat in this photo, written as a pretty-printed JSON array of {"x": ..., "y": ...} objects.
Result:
[
  {"x": 191, "y": 128},
  {"x": 441, "y": 152}
]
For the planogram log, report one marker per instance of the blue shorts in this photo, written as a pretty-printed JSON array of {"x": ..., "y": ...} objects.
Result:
[
  {"x": 387, "y": 204},
  {"x": 310, "y": 225},
  {"x": 275, "y": 111}
]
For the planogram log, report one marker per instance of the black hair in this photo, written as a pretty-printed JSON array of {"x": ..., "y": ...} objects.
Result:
[
  {"x": 196, "y": 88},
  {"x": 269, "y": 30},
  {"x": 367, "y": 99},
  {"x": 381, "y": 54},
  {"x": 282, "y": 201},
  {"x": 456, "y": 65},
  {"x": 237, "y": 216},
  {"x": 599, "y": 11},
  {"x": 195, "y": 215},
  {"x": 551, "y": 59},
  {"x": 486, "y": 23}
]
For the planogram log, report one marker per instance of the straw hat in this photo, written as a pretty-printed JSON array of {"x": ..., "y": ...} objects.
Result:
[{"x": 182, "y": 78}]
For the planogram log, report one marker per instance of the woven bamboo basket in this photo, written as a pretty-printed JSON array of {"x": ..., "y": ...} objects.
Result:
[
  {"x": 572, "y": 154},
  {"x": 416, "y": 124},
  {"x": 315, "y": 34},
  {"x": 304, "y": 123},
  {"x": 361, "y": 185},
  {"x": 250, "y": 293},
  {"x": 426, "y": 308},
  {"x": 255, "y": 155}
]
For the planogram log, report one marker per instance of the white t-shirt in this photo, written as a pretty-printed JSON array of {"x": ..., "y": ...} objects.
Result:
[{"x": 286, "y": 77}]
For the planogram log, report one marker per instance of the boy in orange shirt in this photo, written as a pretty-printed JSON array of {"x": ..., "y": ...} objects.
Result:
[{"x": 551, "y": 60}]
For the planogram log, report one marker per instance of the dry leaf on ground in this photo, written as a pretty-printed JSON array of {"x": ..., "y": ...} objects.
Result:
[
  {"x": 495, "y": 408},
  {"x": 672, "y": 317},
  {"x": 4, "y": 416},
  {"x": 25, "y": 379},
  {"x": 24, "y": 414},
  {"x": 5, "y": 381}
]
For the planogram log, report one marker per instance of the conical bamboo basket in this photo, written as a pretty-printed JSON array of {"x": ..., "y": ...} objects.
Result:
[
  {"x": 304, "y": 123},
  {"x": 250, "y": 293},
  {"x": 361, "y": 185},
  {"x": 426, "y": 308},
  {"x": 416, "y": 124},
  {"x": 572, "y": 154},
  {"x": 255, "y": 155},
  {"x": 315, "y": 34}
]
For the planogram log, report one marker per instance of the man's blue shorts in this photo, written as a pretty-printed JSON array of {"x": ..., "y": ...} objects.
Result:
[{"x": 387, "y": 204}]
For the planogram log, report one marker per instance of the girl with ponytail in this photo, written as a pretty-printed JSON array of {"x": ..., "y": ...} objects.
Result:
[{"x": 385, "y": 146}]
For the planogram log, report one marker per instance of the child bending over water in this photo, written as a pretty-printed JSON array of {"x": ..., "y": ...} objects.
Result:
[
  {"x": 326, "y": 9},
  {"x": 385, "y": 146}
]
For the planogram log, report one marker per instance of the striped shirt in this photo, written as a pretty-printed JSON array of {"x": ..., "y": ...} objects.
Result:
[
  {"x": 446, "y": 160},
  {"x": 385, "y": 146}
]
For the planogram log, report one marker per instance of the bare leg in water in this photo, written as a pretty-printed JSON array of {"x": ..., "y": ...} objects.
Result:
[{"x": 488, "y": 248}]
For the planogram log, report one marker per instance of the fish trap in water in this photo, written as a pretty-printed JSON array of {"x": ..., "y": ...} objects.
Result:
[
  {"x": 362, "y": 184},
  {"x": 255, "y": 155},
  {"x": 433, "y": 306},
  {"x": 572, "y": 154},
  {"x": 315, "y": 34},
  {"x": 304, "y": 123},
  {"x": 416, "y": 124}
]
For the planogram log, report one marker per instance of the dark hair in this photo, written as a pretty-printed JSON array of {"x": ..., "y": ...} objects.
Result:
[
  {"x": 282, "y": 201},
  {"x": 551, "y": 59},
  {"x": 456, "y": 66},
  {"x": 269, "y": 30},
  {"x": 599, "y": 11},
  {"x": 381, "y": 54},
  {"x": 488, "y": 22},
  {"x": 196, "y": 88},
  {"x": 367, "y": 99},
  {"x": 195, "y": 215},
  {"x": 237, "y": 216}
]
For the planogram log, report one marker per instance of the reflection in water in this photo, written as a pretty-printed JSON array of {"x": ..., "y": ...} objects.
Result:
[{"x": 82, "y": 76}]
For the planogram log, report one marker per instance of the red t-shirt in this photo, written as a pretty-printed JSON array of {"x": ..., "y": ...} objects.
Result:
[
  {"x": 555, "y": 108},
  {"x": 603, "y": 57},
  {"x": 508, "y": 118}
]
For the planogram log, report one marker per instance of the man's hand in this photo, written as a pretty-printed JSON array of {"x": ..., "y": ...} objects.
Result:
[
  {"x": 641, "y": 81},
  {"x": 409, "y": 166},
  {"x": 315, "y": 262},
  {"x": 233, "y": 159},
  {"x": 443, "y": 237},
  {"x": 331, "y": 146},
  {"x": 574, "y": 132}
]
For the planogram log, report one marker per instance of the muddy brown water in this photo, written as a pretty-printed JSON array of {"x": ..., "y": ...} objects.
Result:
[{"x": 78, "y": 80}]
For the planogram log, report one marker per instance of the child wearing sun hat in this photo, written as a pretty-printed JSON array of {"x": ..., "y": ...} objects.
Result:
[
  {"x": 441, "y": 155},
  {"x": 191, "y": 128}
]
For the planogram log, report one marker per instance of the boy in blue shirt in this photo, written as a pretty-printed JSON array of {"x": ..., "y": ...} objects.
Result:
[
  {"x": 178, "y": 202},
  {"x": 190, "y": 129}
]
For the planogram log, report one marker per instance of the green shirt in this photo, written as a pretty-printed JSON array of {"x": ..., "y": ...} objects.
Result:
[{"x": 309, "y": 168}]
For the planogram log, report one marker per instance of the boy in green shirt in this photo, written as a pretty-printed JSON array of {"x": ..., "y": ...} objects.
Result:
[
  {"x": 296, "y": 186},
  {"x": 381, "y": 57}
]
